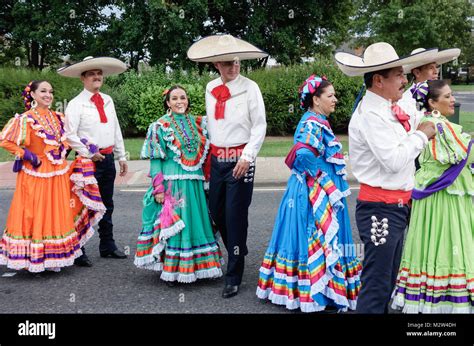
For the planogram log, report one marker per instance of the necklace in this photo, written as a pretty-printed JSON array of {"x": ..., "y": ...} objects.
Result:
[
  {"x": 190, "y": 143},
  {"x": 50, "y": 122}
]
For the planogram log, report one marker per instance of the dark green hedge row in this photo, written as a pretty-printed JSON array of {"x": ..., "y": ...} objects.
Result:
[{"x": 139, "y": 101}]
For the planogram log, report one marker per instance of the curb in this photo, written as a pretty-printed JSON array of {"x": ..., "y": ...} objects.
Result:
[{"x": 273, "y": 173}]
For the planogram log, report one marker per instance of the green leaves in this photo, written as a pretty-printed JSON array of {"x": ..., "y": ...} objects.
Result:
[{"x": 412, "y": 24}]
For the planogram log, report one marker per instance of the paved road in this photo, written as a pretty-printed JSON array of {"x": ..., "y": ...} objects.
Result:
[
  {"x": 117, "y": 286},
  {"x": 466, "y": 100}
]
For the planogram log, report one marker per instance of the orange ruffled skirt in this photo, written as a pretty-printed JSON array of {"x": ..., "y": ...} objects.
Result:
[{"x": 51, "y": 216}]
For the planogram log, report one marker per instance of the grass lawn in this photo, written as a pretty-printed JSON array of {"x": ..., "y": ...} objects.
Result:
[
  {"x": 467, "y": 121},
  {"x": 463, "y": 87},
  {"x": 272, "y": 147},
  {"x": 280, "y": 146}
]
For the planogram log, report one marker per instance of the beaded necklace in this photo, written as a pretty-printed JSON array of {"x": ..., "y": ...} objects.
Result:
[
  {"x": 51, "y": 123},
  {"x": 190, "y": 143}
]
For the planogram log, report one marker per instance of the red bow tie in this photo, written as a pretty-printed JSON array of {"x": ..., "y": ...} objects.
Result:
[
  {"x": 222, "y": 94},
  {"x": 99, "y": 103},
  {"x": 402, "y": 117}
]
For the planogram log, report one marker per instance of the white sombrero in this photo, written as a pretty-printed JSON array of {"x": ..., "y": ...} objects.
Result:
[
  {"x": 223, "y": 48},
  {"x": 442, "y": 57},
  {"x": 379, "y": 56},
  {"x": 109, "y": 66}
]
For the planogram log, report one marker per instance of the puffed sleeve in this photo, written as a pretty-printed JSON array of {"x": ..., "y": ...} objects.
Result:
[
  {"x": 306, "y": 162},
  {"x": 154, "y": 145},
  {"x": 311, "y": 134},
  {"x": 449, "y": 146},
  {"x": 16, "y": 134}
]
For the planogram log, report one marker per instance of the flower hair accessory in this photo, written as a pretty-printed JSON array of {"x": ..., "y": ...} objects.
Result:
[
  {"x": 420, "y": 93},
  {"x": 309, "y": 86},
  {"x": 26, "y": 96},
  {"x": 165, "y": 92}
]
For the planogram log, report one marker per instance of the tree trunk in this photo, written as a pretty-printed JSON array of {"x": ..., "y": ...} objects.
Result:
[
  {"x": 34, "y": 55},
  {"x": 43, "y": 52},
  {"x": 28, "y": 55}
]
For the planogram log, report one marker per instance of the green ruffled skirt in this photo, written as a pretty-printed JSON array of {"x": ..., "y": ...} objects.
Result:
[
  {"x": 437, "y": 269},
  {"x": 186, "y": 249}
]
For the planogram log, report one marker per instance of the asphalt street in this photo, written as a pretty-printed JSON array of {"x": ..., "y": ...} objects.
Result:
[
  {"x": 117, "y": 286},
  {"x": 466, "y": 100}
]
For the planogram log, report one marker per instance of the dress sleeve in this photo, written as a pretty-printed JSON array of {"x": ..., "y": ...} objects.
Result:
[
  {"x": 16, "y": 134},
  {"x": 311, "y": 134},
  {"x": 449, "y": 146},
  {"x": 306, "y": 162},
  {"x": 154, "y": 146}
]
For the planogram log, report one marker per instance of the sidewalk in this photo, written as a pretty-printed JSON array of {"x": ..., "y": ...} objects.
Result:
[{"x": 270, "y": 171}]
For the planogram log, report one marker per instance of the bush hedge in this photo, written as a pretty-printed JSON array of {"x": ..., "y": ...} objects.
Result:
[{"x": 139, "y": 101}]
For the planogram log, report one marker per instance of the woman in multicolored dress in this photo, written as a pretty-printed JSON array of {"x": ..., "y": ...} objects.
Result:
[
  {"x": 436, "y": 273},
  {"x": 176, "y": 236},
  {"x": 311, "y": 260},
  {"x": 54, "y": 205}
]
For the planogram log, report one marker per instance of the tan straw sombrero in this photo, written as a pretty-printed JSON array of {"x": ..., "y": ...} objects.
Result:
[
  {"x": 109, "y": 66},
  {"x": 223, "y": 48},
  {"x": 441, "y": 57},
  {"x": 379, "y": 56}
]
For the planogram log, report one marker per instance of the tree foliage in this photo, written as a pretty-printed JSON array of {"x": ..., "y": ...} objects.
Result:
[{"x": 408, "y": 24}]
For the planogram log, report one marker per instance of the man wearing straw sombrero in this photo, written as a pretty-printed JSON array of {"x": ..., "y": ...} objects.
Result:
[
  {"x": 236, "y": 127},
  {"x": 91, "y": 115},
  {"x": 421, "y": 72},
  {"x": 382, "y": 150}
]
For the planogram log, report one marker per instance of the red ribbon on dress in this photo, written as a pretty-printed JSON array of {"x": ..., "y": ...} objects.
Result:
[
  {"x": 99, "y": 103},
  {"x": 402, "y": 117},
  {"x": 291, "y": 157},
  {"x": 222, "y": 94}
]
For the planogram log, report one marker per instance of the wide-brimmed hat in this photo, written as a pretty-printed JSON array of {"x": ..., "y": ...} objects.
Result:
[
  {"x": 441, "y": 57},
  {"x": 109, "y": 66},
  {"x": 223, "y": 48},
  {"x": 379, "y": 56}
]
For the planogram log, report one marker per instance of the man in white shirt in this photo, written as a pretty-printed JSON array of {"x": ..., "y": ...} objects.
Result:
[
  {"x": 421, "y": 73},
  {"x": 239, "y": 134},
  {"x": 236, "y": 127},
  {"x": 382, "y": 150},
  {"x": 91, "y": 116}
]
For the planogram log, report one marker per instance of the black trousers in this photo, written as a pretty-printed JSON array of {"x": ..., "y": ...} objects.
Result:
[
  {"x": 381, "y": 263},
  {"x": 105, "y": 173},
  {"x": 229, "y": 201}
]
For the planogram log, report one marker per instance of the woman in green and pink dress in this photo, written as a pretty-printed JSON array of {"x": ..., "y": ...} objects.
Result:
[
  {"x": 176, "y": 236},
  {"x": 436, "y": 274}
]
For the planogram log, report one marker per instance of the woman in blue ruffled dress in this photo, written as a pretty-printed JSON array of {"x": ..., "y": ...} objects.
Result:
[{"x": 310, "y": 262}]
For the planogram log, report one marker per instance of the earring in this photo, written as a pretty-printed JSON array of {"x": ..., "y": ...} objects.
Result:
[
  {"x": 435, "y": 113},
  {"x": 34, "y": 104},
  {"x": 168, "y": 112}
]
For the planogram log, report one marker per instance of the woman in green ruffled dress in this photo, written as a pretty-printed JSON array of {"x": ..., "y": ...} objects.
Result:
[
  {"x": 436, "y": 274},
  {"x": 176, "y": 236}
]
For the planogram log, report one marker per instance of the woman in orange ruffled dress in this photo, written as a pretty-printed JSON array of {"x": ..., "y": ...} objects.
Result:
[{"x": 54, "y": 205}]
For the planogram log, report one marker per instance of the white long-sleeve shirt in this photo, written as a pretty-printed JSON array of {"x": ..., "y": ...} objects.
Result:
[
  {"x": 408, "y": 104},
  {"x": 381, "y": 152},
  {"x": 83, "y": 121},
  {"x": 244, "y": 119}
]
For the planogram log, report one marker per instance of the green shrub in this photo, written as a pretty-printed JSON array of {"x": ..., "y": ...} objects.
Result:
[
  {"x": 14, "y": 80},
  {"x": 280, "y": 86},
  {"x": 138, "y": 96}
]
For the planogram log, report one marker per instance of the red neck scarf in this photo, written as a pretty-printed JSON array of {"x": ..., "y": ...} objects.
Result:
[
  {"x": 222, "y": 94},
  {"x": 402, "y": 117},
  {"x": 99, "y": 103}
]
